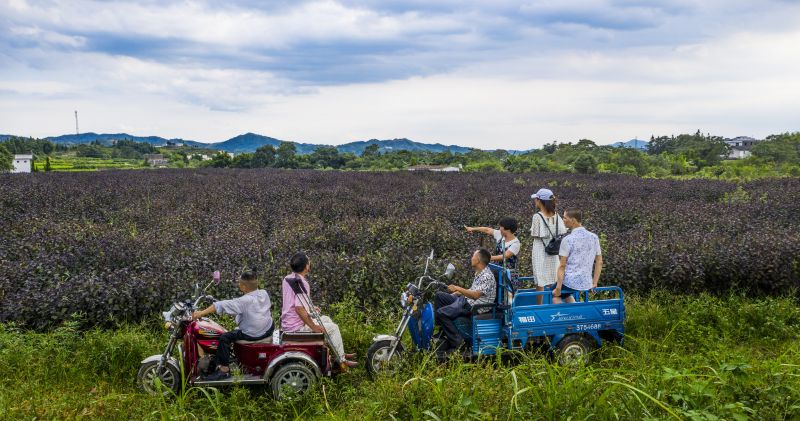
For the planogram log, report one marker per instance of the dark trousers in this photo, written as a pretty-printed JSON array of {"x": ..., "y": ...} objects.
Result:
[
  {"x": 228, "y": 338},
  {"x": 448, "y": 308}
]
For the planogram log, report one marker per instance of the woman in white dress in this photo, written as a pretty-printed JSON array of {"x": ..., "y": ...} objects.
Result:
[{"x": 544, "y": 226}]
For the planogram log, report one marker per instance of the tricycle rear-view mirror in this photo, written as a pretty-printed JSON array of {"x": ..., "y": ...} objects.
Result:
[
  {"x": 450, "y": 270},
  {"x": 216, "y": 277}
]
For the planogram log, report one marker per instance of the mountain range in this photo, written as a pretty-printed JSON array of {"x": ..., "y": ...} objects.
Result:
[
  {"x": 633, "y": 144},
  {"x": 249, "y": 142}
]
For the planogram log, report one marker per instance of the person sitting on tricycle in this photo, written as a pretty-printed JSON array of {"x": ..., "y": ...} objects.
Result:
[
  {"x": 459, "y": 301},
  {"x": 253, "y": 313},
  {"x": 295, "y": 317}
]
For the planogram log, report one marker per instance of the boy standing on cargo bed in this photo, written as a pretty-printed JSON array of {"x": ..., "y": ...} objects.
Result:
[
  {"x": 580, "y": 259},
  {"x": 507, "y": 244}
]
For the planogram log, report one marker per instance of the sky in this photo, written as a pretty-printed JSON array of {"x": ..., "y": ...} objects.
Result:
[{"x": 485, "y": 74}]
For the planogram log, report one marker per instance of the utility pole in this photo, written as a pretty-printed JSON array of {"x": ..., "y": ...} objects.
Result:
[{"x": 77, "y": 132}]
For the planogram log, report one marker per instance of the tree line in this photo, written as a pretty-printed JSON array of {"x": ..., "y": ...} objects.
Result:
[{"x": 685, "y": 155}]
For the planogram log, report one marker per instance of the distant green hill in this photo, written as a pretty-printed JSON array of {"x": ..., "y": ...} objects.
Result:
[
  {"x": 249, "y": 142},
  {"x": 399, "y": 145},
  {"x": 633, "y": 144},
  {"x": 108, "y": 138}
]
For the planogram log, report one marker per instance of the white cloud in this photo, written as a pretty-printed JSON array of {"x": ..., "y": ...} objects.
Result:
[
  {"x": 476, "y": 74},
  {"x": 320, "y": 21},
  {"x": 35, "y": 88},
  {"x": 34, "y": 34}
]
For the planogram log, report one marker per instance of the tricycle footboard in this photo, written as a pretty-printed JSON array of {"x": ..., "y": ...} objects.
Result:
[{"x": 486, "y": 336}]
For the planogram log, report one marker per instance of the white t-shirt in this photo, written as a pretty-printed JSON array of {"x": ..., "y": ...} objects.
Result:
[
  {"x": 253, "y": 312},
  {"x": 512, "y": 246},
  {"x": 580, "y": 248}
]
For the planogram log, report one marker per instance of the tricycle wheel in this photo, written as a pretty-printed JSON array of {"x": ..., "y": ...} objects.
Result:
[
  {"x": 169, "y": 378},
  {"x": 573, "y": 349},
  {"x": 378, "y": 358},
  {"x": 292, "y": 380}
]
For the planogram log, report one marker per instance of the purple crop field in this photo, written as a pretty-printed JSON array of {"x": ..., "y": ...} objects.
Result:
[{"x": 119, "y": 246}]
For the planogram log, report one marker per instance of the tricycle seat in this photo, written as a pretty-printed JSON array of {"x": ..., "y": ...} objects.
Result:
[
  {"x": 483, "y": 316},
  {"x": 267, "y": 340},
  {"x": 302, "y": 337}
]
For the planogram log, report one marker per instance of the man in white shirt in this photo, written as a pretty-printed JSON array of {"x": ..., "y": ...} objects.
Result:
[
  {"x": 580, "y": 259},
  {"x": 253, "y": 313}
]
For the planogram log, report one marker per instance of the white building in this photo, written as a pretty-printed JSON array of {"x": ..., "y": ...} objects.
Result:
[
  {"x": 740, "y": 146},
  {"x": 156, "y": 159},
  {"x": 745, "y": 142},
  {"x": 201, "y": 157},
  {"x": 22, "y": 163},
  {"x": 738, "y": 153},
  {"x": 436, "y": 168}
]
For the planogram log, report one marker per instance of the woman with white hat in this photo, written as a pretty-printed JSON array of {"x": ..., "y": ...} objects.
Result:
[{"x": 545, "y": 225}]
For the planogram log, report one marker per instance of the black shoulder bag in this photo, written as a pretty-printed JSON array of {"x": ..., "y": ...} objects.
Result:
[{"x": 554, "y": 245}]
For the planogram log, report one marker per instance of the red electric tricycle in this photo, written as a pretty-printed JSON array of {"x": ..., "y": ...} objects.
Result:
[{"x": 288, "y": 363}]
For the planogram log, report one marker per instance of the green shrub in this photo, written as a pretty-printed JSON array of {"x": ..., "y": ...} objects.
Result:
[
  {"x": 485, "y": 166},
  {"x": 586, "y": 164}
]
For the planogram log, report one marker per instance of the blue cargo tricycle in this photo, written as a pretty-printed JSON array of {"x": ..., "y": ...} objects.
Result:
[{"x": 567, "y": 331}]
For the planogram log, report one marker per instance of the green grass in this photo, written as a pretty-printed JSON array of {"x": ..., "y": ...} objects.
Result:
[
  {"x": 73, "y": 163},
  {"x": 696, "y": 357}
]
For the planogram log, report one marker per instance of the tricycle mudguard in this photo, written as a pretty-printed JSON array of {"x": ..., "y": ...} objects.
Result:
[
  {"x": 171, "y": 361},
  {"x": 421, "y": 327}
]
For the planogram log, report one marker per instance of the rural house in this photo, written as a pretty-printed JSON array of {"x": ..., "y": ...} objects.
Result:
[
  {"x": 740, "y": 146},
  {"x": 741, "y": 141},
  {"x": 22, "y": 163},
  {"x": 738, "y": 152},
  {"x": 436, "y": 168},
  {"x": 201, "y": 157},
  {"x": 156, "y": 160}
]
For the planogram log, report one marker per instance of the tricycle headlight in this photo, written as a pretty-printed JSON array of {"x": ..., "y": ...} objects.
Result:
[
  {"x": 406, "y": 299},
  {"x": 169, "y": 315}
]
